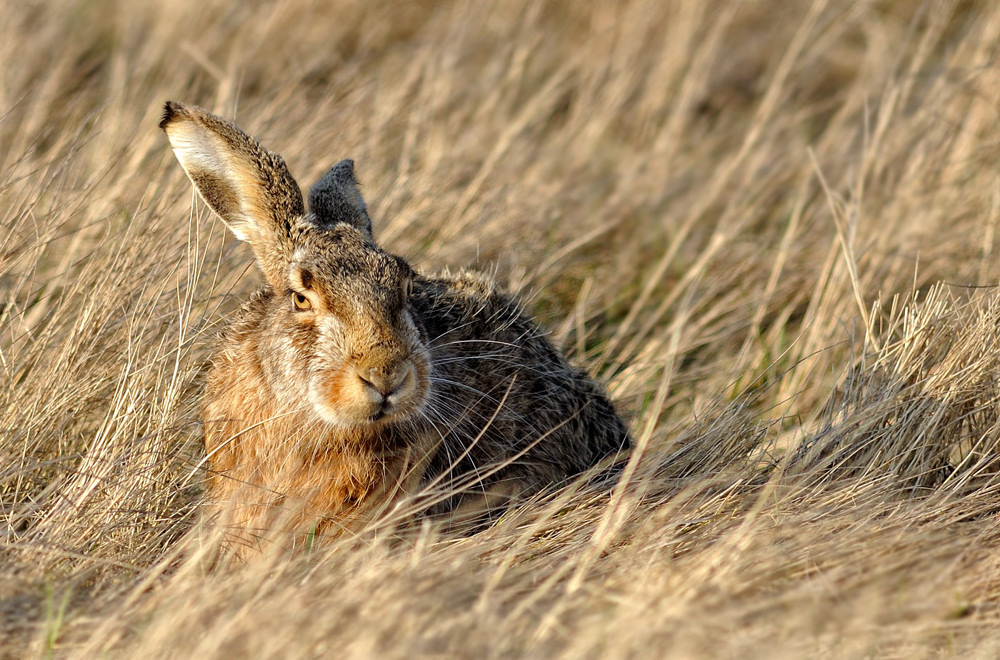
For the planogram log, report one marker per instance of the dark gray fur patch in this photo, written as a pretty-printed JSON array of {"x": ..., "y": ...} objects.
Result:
[{"x": 335, "y": 199}]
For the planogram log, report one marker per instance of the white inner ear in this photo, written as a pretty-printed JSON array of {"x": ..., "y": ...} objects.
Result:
[{"x": 196, "y": 150}]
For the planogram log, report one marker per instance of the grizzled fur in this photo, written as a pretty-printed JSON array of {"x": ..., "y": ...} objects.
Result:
[{"x": 349, "y": 380}]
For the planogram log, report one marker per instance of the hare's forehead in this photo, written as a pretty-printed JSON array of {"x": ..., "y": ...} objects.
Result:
[{"x": 345, "y": 267}]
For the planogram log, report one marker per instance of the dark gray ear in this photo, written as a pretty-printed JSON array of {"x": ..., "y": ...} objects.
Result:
[{"x": 335, "y": 198}]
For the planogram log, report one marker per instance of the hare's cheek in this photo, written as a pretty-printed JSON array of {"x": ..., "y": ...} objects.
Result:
[
  {"x": 329, "y": 388},
  {"x": 422, "y": 373},
  {"x": 339, "y": 398},
  {"x": 293, "y": 346}
]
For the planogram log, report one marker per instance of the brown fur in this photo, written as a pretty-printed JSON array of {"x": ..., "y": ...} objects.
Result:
[{"x": 378, "y": 383}]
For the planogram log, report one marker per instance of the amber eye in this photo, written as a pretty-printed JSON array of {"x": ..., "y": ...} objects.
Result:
[{"x": 301, "y": 302}]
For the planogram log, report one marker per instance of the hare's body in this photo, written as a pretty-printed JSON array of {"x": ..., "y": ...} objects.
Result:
[{"x": 349, "y": 380}]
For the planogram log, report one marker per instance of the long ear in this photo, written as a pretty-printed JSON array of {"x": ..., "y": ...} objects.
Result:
[
  {"x": 249, "y": 187},
  {"x": 335, "y": 199}
]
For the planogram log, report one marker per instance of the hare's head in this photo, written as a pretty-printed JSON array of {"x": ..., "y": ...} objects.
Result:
[{"x": 340, "y": 336}]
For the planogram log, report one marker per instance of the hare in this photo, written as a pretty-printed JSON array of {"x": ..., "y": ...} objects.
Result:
[{"x": 349, "y": 380}]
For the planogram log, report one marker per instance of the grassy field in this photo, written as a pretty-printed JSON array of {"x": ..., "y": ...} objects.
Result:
[{"x": 769, "y": 227}]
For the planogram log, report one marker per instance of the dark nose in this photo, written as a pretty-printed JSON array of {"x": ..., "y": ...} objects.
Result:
[{"x": 385, "y": 381}]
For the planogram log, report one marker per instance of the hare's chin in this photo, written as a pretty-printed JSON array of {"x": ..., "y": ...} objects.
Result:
[{"x": 351, "y": 418}]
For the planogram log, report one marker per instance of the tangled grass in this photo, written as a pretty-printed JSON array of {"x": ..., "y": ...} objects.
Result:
[{"x": 772, "y": 233}]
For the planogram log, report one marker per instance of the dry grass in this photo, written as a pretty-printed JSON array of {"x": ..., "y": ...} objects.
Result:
[{"x": 738, "y": 216}]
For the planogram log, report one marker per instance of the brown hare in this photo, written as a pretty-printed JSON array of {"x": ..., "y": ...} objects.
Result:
[{"x": 349, "y": 380}]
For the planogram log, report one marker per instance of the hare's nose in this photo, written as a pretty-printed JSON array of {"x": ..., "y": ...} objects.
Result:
[{"x": 386, "y": 381}]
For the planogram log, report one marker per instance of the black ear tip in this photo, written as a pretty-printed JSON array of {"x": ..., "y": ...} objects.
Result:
[{"x": 169, "y": 111}]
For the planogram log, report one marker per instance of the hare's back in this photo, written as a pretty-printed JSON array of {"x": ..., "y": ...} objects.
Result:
[{"x": 500, "y": 382}]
